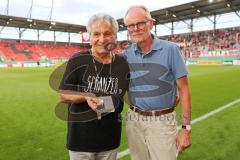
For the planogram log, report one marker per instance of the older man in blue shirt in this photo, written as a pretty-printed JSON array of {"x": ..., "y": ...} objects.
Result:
[{"x": 157, "y": 72}]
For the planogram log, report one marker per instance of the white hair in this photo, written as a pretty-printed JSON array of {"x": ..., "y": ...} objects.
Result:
[
  {"x": 148, "y": 14},
  {"x": 102, "y": 17}
]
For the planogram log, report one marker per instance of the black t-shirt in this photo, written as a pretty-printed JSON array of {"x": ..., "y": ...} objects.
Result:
[{"x": 85, "y": 132}]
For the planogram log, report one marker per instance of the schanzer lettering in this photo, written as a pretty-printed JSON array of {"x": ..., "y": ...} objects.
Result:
[{"x": 106, "y": 85}]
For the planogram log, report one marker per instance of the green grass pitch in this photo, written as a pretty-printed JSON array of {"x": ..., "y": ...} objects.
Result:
[{"x": 30, "y": 130}]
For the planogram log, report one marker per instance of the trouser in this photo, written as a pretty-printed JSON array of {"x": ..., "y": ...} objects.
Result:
[
  {"x": 152, "y": 137},
  {"x": 106, "y": 155}
]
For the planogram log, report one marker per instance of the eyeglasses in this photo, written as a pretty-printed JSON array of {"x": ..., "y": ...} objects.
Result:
[{"x": 139, "y": 25}]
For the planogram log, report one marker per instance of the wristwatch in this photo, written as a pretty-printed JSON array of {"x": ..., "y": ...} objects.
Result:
[{"x": 187, "y": 127}]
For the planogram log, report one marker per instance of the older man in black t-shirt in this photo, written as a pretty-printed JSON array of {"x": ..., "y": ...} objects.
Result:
[{"x": 93, "y": 82}]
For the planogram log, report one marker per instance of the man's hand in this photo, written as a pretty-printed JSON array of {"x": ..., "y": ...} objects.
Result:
[
  {"x": 79, "y": 97},
  {"x": 93, "y": 102},
  {"x": 183, "y": 140}
]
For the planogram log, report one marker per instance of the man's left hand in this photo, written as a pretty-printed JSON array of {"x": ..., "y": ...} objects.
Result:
[{"x": 183, "y": 140}]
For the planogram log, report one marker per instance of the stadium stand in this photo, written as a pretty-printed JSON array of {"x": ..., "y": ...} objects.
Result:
[
  {"x": 25, "y": 51},
  {"x": 218, "y": 45}
]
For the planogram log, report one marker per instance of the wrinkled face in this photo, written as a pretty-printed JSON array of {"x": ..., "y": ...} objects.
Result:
[
  {"x": 139, "y": 27},
  {"x": 101, "y": 34}
]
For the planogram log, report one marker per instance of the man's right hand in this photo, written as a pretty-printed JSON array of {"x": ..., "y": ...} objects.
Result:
[
  {"x": 79, "y": 97},
  {"x": 93, "y": 102}
]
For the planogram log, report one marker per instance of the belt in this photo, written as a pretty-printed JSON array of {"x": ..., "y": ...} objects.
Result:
[{"x": 151, "y": 113}]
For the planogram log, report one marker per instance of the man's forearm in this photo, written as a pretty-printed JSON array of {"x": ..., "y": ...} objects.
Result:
[
  {"x": 69, "y": 96},
  {"x": 185, "y": 101}
]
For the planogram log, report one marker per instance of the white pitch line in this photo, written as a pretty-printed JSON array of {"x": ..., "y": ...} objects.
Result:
[
  {"x": 215, "y": 111},
  {"x": 205, "y": 116},
  {"x": 123, "y": 153}
]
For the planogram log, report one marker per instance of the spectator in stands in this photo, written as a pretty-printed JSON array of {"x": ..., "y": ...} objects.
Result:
[
  {"x": 94, "y": 135},
  {"x": 157, "y": 70}
]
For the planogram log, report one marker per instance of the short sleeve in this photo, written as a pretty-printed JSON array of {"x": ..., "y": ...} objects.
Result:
[
  {"x": 69, "y": 79},
  {"x": 177, "y": 63}
]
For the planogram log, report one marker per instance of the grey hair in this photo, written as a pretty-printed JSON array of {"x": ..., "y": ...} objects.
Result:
[
  {"x": 102, "y": 17},
  {"x": 148, "y": 14}
]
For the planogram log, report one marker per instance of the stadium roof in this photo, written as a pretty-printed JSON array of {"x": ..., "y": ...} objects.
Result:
[
  {"x": 196, "y": 9},
  {"x": 19, "y": 22}
]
